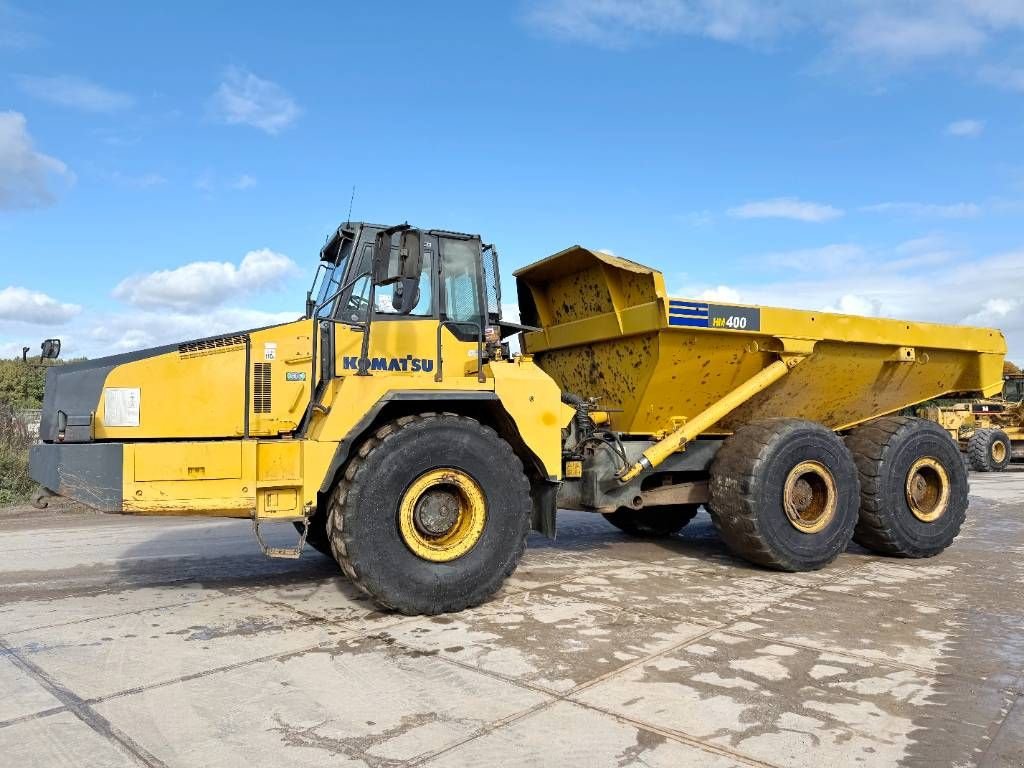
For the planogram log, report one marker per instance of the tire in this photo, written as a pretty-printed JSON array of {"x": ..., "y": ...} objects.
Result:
[
  {"x": 783, "y": 494},
  {"x": 655, "y": 522},
  {"x": 989, "y": 450},
  {"x": 885, "y": 451},
  {"x": 374, "y": 535}
]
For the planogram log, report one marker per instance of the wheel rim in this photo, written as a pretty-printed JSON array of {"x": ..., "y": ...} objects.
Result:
[
  {"x": 927, "y": 489},
  {"x": 442, "y": 514},
  {"x": 809, "y": 497},
  {"x": 998, "y": 451}
]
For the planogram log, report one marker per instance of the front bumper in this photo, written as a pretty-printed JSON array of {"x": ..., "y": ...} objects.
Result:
[{"x": 90, "y": 473}]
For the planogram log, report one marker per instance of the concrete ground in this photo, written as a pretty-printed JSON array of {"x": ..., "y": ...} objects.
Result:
[{"x": 174, "y": 643}]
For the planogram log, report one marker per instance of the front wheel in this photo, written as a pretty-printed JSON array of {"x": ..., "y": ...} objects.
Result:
[{"x": 431, "y": 514}]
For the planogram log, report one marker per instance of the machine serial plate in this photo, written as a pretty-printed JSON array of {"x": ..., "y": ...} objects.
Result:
[{"x": 698, "y": 314}]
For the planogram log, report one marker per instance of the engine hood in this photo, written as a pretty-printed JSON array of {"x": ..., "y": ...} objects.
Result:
[
  {"x": 250, "y": 382},
  {"x": 76, "y": 388}
]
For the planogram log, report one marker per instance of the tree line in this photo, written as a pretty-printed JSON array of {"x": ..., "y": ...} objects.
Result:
[{"x": 21, "y": 383}]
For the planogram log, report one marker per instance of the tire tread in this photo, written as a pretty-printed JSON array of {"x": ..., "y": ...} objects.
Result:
[{"x": 341, "y": 541}]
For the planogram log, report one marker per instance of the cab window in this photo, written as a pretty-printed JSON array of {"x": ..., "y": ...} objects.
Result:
[
  {"x": 460, "y": 275},
  {"x": 385, "y": 296},
  {"x": 355, "y": 305}
]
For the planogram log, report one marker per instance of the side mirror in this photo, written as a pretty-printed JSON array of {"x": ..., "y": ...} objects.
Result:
[
  {"x": 50, "y": 349},
  {"x": 406, "y": 295},
  {"x": 389, "y": 265}
]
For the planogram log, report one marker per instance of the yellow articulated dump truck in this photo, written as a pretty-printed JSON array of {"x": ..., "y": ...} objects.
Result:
[
  {"x": 393, "y": 428},
  {"x": 990, "y": 432}
]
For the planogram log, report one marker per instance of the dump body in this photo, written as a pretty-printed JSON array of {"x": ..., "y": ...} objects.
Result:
[{"x": 609, "y": 330}]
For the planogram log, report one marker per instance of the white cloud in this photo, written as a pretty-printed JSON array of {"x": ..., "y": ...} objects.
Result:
[
  {"x": 210, "y": 182},
  {"x": 75, "y": 92},
  {"x": 877, "y": 31},
  {"x": 884, "y": 285},
  {"x": 245, "y": 181},
  {"x": 827, "y": 257},
  {"x": 785, "y": 208},
  {"x": 106, "y": 334},
  {"x": 949, "y": 211},
  {"x": 721, "y": 293},
  {"x": 245, "y": 99},
  {"x": 852, "y": 304},
  {"x": 27, "y": 176},
  {"x": 994, "y": 312},
  {"x": 911, "y": 33},
  {"x": 1010, "y": 78},
  {"x": 615, "y": 22},
  {"x": 22, "y": 305},
  {"x": 206, "y": 284},
  {"x": 966, "y": 128}
]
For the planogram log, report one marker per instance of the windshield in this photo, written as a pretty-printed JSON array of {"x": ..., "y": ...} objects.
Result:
[
  {"x": 1013, "y": 390},
  {"x": 329, "y": 276},
  {"x": 329, "y": 285}
]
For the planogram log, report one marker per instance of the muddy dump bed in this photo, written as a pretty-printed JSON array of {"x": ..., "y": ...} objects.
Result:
[{"x": 609, "y": 330}]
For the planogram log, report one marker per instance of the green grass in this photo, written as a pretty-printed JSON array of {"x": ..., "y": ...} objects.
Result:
[{"x": 15, "y": 483}]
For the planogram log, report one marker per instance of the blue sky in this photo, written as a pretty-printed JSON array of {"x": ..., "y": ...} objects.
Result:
[{"x": 169, "y": 171}]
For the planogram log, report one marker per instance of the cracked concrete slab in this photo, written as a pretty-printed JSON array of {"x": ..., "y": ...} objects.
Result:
[
  {"x": 164, "y": 644},
  {"x": 32, "y": 614},
  {"x": 358, "y": 702},
  {"x": 22, "y": 695},
  {"x": 569, "y": 735},
  {"x": 548, "y": 640},
  {"x": 777, "y": 703},
  {"x": 60, "y": 741},
  {"x": 680, "y": 592},
  {"x": 1007, "y": 748}
]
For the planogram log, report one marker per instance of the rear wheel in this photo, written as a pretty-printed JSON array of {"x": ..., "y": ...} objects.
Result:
[
  {"x": 653, "y": 521},
  {"x": 431, "y": 515},
  {"x": 783, "y": 494},
  {"x": 988, "y": 450},
  {"x": 913, "y": 486}
]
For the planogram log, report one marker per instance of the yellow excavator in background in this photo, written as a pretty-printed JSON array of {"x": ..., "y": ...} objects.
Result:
[{"x": 990, "y": 432}]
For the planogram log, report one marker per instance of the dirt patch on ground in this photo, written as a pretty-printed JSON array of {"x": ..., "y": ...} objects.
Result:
[{"x": 12, "y": 513}]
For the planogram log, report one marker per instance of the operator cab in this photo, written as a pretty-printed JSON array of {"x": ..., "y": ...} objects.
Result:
[
  {"x": 406, "y": 272},
  {"x": 1013, "y": 387}
]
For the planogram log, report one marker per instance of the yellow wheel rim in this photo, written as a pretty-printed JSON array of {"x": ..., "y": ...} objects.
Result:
[
  {"x": 998, "y": 451},
  {"x": 927, "y": 489},
  {"x": 809, "y": 497},
  {"x": 442, "y": 514}
]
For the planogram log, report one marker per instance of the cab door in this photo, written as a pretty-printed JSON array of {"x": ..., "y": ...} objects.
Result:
[{"x": 403, "y": 325}]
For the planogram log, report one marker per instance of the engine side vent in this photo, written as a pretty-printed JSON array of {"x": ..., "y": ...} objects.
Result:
[
  {"x": 261, "y": 387},
  {"x": 211, "y": 346}
]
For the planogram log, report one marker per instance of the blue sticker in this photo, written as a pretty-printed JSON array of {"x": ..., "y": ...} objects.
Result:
[
  {"x": 689, "y": 313},
  {"x": 698, "y": 314}
]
